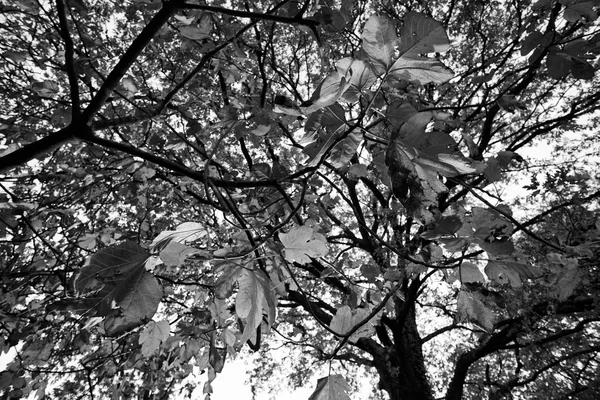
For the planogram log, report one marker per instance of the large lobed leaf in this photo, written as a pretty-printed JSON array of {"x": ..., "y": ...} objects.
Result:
[{"x": 117, "y": 286}]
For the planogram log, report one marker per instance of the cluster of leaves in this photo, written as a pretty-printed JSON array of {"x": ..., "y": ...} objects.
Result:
[{"x": 183, "y": 178}]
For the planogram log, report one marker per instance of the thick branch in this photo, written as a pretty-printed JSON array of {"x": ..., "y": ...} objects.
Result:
[
  {"x": 127, "y": 60},
  {"x": 297, "y": 20},
  {"x": 465, "y": 360},
  {"x": 36, "y": 149},
  {"x": 69, "y": 58}
]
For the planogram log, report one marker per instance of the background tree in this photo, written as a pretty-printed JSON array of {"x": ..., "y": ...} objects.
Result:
[{"x": 182, "y": 178}]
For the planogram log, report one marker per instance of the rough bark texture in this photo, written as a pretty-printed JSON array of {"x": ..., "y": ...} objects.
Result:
[{"x": 401, "y": 367}]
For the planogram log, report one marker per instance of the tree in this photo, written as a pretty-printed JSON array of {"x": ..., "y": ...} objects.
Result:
[{"x": 182, "y": 178}]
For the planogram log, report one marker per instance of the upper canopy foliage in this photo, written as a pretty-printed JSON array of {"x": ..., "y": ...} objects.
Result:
[{"x": 181, "y": 178}]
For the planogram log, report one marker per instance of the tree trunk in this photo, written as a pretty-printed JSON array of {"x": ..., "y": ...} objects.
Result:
[{"x": 401, "y": 367}]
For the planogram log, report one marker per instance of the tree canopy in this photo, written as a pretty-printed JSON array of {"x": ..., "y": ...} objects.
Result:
[{"x": 405, "y": 192}]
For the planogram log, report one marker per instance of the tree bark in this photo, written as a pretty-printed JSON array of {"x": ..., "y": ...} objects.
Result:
[{"x": 401, "y": 367}]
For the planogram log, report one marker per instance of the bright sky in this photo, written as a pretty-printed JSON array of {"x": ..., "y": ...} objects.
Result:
[{"x": 230, "y": 384}]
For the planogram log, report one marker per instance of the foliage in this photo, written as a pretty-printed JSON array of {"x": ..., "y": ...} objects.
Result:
[{"x": 182, "y": 179}]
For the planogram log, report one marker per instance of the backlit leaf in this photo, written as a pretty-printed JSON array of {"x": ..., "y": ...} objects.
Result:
[
  {"x": 175, "y": 254},
  {"x": 379, "y": 40},
  {"x": 503, "y": 273},
  {"x": 332, "y": 387},
  {"x": 301, "y": 243},
  {"x": 421, "y": 69},
  {"x": 186, "y": 232},
  {"x": 327, "y": 93},
  {"x": 345, "y": 319},
  {"x": 153, "y": 334},
  {"x": 255, "y": 297},
  {"x": 470, "y": 308}
]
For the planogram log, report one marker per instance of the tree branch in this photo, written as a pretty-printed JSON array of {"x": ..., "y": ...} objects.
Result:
[
  {"x": 69, "y": 59},
  {"x": 296, "y": 20}
]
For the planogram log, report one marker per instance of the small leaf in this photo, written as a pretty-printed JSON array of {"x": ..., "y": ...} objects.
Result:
[
  {"x": 469, "y": 272},
  {"x": 447, "y": 226},
  {"x": 582, "y": 69},
  {"x": 401, "y": 112},
  {"x": 470, "y": 308},
  {"x": 361, "y": 76},
  {"x": 261, "y": 130},
  {"x": 492, "y": 171},
  {"x": 175, "y": 254},
  {"x": 87, "y": 242},
  {"x": 327, "y": 93},
  {"x": 153, "y": 335},
  {"x": 301, "y": 243},
  {"x": 345, "y": 319},
  {"x": 502, "y": 274},
  {"x": 422, "y": 69},
  {"x": 332, "y": 387},
  {"x": 370, "y": 271},
  {"x": 357, "y": 171},
  {"x": 500, "y": 247},
  {"x": 462, "y": 164},
  {"x": 16, "y": 56},
  {"x": 342, "y": 320},
  {"x": 577, "y": 10},
  {"x": 330, "y": 119},
  {"x": 559, "y": 65},
  {"x": 186, "y": 232},
  {"x": 224, "y": 285},
  {"x": 46, "y": 88},
  {"x": 255, "y": 295},
  {"x": 422, "y": 35},
  {"x": 200, "y": 31},
  {"x": 343, "y": 151},
  {"x": 533, "y": 40},
  {"x": 216, "y": 357}
]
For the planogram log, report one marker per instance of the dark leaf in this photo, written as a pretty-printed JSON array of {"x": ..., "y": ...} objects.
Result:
[{"x": 117, "y": 286}]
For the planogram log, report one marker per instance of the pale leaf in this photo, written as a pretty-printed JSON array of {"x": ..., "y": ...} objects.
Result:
[
  {"x": 421, "y": 69},
  {"x": 502, "y": 273},
  {"x": 379, "y": 41},
  {"x": 345, "y": 319},
  {"x": 186, "y": 232},
  {"x": 254, "y": 297},
  {"x": 153, "y": 335},
  {"x": 300, "y": 245},
  {"x": 341, "y": 322},
  {"x": 174, "y": 254},
  {"x": 471, "y": 309}
]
